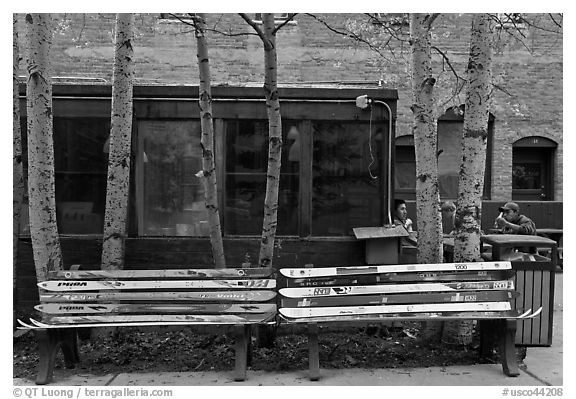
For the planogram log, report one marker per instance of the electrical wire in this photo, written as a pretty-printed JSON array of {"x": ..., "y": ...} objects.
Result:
[{"x": 370, "y": 147}]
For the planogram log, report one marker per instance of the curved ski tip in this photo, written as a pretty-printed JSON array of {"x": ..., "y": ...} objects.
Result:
[
  {"x": 24, "y": 325},
  {"x": 523, "y": 315},
  {"x": 38, "y": 324},
  {"x": 536, "y": 313}
]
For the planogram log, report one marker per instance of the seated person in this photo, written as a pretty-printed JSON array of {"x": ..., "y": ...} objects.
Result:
[
  {"x": 401, "y": 215},
  {"x": 401, "y": 219},
  {"x": 510, "y": 221}
]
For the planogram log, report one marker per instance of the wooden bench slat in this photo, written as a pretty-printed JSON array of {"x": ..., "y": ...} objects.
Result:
[
  {"x": 126, "y": 308},
  {"x": 167, "y": 273},
  {"x": 383, "y": 309},
  {"x": 357, "y": 300},
  {"x": 190, "y": 296},
  {"x": 378, "y": 269},
  {"x": 91, "y": 285},
  {"x": 395, "y": 288}
]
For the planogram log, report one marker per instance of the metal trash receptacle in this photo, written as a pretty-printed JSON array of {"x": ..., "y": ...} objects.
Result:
[{"x": 534, "y": 281}]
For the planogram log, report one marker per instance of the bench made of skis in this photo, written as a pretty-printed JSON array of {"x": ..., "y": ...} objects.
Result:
[
  {"x": 74, "y": 299},
  {"x": 481, "y": 291}
]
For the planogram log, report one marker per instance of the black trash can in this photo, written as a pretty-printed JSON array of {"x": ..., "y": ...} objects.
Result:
[{"x": 534, "y": 281}]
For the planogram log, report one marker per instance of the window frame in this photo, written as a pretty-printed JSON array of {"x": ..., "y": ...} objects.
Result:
[
  {"x": 511, "y": 21},
  {"x": 278, "y": 19}
]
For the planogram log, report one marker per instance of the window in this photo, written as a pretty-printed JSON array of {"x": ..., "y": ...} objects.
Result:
[
  {"x": 510, "y": 21},
  {"x": 245, "y": 175},
  {"x": 278, "y": 18},
  {"x": 347, "y": 179},
  {"x": 170, "y": 197},
  {"x": 80, "y": 166},
  {"x": 405, "y": 168},
  {"x": 393, "y": 19},
  {"x": 177, "y": 16},
  {"x": 449, "y": 158}
]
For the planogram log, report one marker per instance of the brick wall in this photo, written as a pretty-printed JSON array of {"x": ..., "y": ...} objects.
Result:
[{"x": 165, "y": 53}]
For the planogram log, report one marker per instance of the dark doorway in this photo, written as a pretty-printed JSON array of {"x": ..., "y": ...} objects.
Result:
[{"x": 532, "y": 177}]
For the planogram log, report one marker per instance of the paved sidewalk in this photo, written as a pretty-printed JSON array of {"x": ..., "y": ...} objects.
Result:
[{"x": 478, "y": 375}]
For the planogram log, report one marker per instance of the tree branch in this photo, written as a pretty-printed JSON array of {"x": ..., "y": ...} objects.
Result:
[
  {"x": 290, "y": 18},
  {"x": 254, "y": 25},
  {"x": 349, "y": 34}
]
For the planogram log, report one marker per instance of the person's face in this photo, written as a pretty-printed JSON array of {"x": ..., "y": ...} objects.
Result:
[
  {"x": 510, "y": 215},
  {"x": 401, "y": 212}
]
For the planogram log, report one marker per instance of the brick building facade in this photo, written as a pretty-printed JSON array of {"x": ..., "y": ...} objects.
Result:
[{"x": 528, "y": 71}]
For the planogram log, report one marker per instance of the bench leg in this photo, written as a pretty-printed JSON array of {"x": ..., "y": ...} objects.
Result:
[
  {"x": 242, "y": 338},
  {"x": 313, "y": 352},
  {"x": 49, "y": 341},
  {"x": 507, "y": 348}
]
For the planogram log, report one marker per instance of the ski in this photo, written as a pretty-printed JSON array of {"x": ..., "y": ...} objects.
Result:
[
  {"x": 434, "y": 297},
  {"x": 90, "y": 285},
  {"x": 347, "y": 270},
  {"x": 192, "y": 296},
  {"x": 510, "y": 314},
  {"x": 480, "y": 275},
  {"x": 296, "y": 313},
  {"x": 168, "y": 273},
  {"x": 142, "y": 320},
  {"x": 396, "y": 288},
  {"x": 94, "y": 308}
]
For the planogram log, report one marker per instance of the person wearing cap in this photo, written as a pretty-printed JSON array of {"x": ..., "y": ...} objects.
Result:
[{"x": 512, "y": 222}]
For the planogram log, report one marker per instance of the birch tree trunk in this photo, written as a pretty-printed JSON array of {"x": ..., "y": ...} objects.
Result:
[
  {"x": 266, "y": 334},
  {"x": 275, "y": 142},
  {"x": 425, "y": 145},
  {"x": 425, "y": 142},
  {"x": 17, "y": 172},
  {"x": 471, "y": 177},
  {"x": 41, "y": 185},
  {"x": 208, "y": 174},
  {"x": 120, "y": 145}
]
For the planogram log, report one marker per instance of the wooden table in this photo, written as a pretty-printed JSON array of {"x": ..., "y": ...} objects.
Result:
[{"x": 554, "y": 234}]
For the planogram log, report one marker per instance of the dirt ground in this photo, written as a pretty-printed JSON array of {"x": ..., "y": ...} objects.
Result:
[{"x": 182, "y": 349}]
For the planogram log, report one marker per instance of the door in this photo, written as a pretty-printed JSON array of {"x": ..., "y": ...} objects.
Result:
[{"x": 532, "y": 174}]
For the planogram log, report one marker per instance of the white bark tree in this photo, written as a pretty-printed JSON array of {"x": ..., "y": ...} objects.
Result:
[
  {"x": 41, "y": 184},
  {"x": 425, "y": 141},
  {"x": 208, "y": 174},
  {"x": 474, "y": 141},
  {"x": 116, "y": 214},
  {"x": 472, "y": 166},
  {"x": 17, "y": 171},
  {"x": 268, "y": 36},
  {"x": 425, "y": 146}
]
